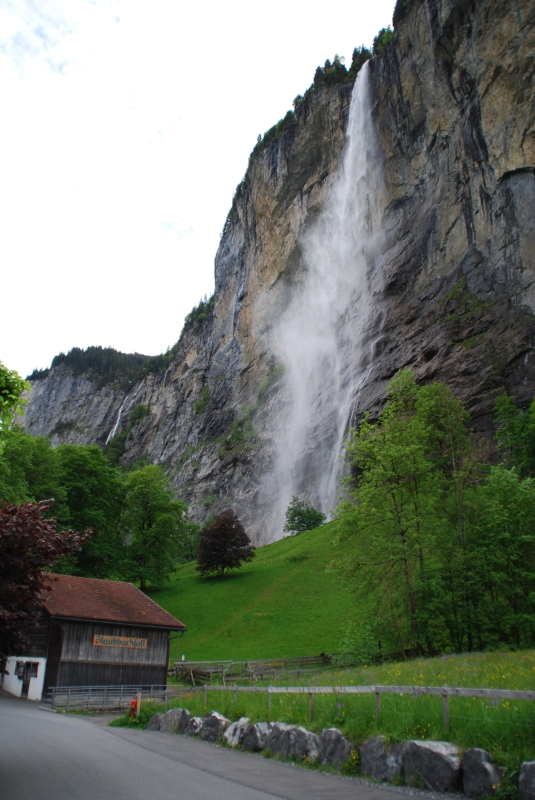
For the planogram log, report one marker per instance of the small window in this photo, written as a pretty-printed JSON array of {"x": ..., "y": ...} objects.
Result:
[
  {"x": 35, "y": 668},
  {"x": 19, "y": 669}
]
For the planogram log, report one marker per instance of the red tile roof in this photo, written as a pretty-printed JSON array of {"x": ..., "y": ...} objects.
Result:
[{"x": 109, "y": 601}]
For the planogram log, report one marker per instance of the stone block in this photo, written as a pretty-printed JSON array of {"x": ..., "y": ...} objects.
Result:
[
  {"x": 236, "y": 731},
  {"x": 433, "y": 765},
  {"x": 154, "y": 722},
  {"x": 526, "y": 781},
  {"x": 334, "y": 747},
  {"x": 380, "y": 760},
  {"x": 256, "y": 735},
  {"x": 214, "y": 726},
  {"x": 183, "y": 725},
  {"x": 170, "y": 721},
  {"x": 195, "y": 726},
  {"x": 481, "y": 777}
]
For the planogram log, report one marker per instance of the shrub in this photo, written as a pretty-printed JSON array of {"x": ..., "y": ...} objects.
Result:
[{"x": 203, "y": 400}]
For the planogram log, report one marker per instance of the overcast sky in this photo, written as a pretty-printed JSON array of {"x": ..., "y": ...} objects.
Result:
[{"x": 125, "y": 127}]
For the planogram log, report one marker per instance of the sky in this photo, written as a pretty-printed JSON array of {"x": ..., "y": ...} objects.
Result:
[{"x": 125, "y": 127}]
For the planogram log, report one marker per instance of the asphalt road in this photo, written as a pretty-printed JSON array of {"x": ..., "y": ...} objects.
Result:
[{"x": 50, "y": 756}]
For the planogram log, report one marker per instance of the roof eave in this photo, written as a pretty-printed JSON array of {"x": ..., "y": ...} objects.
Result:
[{"x": 180, "y": 627}]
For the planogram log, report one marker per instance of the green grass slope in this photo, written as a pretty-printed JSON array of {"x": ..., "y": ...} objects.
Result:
[{"x": 284, "y": 603}]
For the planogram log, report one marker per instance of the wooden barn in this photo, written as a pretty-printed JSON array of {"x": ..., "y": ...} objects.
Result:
[{"x": 93, "y": 633}]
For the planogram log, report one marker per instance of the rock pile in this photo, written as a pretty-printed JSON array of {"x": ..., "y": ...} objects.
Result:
[{"x": 436, "y": 766}]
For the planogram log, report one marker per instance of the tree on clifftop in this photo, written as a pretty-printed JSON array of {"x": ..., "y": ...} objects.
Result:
[{"x": 223, "y": 546}]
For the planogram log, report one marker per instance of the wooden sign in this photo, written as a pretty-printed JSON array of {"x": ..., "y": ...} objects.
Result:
[{"x": 119, "y": 641}]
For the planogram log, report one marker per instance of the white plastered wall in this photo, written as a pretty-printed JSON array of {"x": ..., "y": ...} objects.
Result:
[{"x": 13, "y": 684}]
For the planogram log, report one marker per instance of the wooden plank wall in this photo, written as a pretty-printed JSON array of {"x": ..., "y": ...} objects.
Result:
[
  {"x": 78, "y": 645},
  {"x": 92, "y": 674},
  {"x": 55, "y": 642},
  {"x": 38, "y": 638}
]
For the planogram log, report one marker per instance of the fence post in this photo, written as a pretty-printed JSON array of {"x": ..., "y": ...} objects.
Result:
[
  {"x": 138, "y": 705},
  {"x": 205, "y": 695},
  {"x": 104, "y": 699},
  {"x": 165, "y": 706},
  {"x": 269, "y": 703},
  {"x": 446, "y": 711},
  {"x": 68, "y": 700},
  {"x": 235, "y": 695},
  {"x": 310, "y": 706},
  {"x": 377, "y": 706}
]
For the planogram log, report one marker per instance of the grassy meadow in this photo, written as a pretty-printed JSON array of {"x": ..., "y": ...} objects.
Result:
[{"x": 282, "y": 604}]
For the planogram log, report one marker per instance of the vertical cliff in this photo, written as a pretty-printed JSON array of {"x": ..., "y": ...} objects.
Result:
[{"x": 453, "y": 111}]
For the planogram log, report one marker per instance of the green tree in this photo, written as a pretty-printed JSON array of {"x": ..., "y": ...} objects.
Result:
[
  {"x": 394, "y": 517},
  {"x": 11, "y": 388},
  {"x": 515, "y": 434},
  {"x": 223, "y": 545},
  {"x": 30, "y": 470},
  {"x": 417, "y": 467},
  {"x": 446, "y": 556},
  {"x": 93, "y": 491},
  {"x": 301, "y": 516},
  {"x": 154, "y": 526},
  {"x": 504, "y": 549}
]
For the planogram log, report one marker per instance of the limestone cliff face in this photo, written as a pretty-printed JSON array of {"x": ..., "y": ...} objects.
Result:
[
  {"x": 212, "y": 410},
  {"x": 454, "y": 112}
]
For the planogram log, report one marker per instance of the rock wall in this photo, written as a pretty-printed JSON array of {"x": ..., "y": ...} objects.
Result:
[{"x": 453, "y": 107}]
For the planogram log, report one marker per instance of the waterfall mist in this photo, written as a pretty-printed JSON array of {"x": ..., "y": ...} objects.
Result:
[{"x": 324, "y": 338}]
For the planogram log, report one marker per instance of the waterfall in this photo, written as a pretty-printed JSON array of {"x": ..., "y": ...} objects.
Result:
[
  {"x": 324, "y": 338},
  {"x": 117, "y": 421}
]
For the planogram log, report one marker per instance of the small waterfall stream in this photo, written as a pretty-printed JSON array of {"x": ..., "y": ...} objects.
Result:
[
  {"x": 323, "y": 339},
  {"x": 117, "y": 421}
]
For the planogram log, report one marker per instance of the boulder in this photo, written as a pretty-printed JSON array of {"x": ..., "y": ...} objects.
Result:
[
  {"x": 195, "y": 726},
  {"x": 154, "y": 722},
  {"x": 380, "y": 760},
  {"x": 289, "y": 741},
  {"x": 526, "y": 781},
  {"x": 169, "y": 722},
  {"x": 278, "y": 741},
  {"x": 435, "y": 765},
  {"x": 183, "y": 725},
  {"x": 304, "y": 744},
  {"x": 481, "y": 777},
  {"x": 334, "y": 747},
  {"x": 214, "y": 726},
  {"x": 236, "y": 731},
  {"x": 256, "y": 735}
]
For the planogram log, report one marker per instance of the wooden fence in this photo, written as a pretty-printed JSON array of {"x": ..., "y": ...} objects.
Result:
[
  {"x": 95, "y": 698},
  {"x": 200, "y": 672},
  {"x": 414, "y": 691}
]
